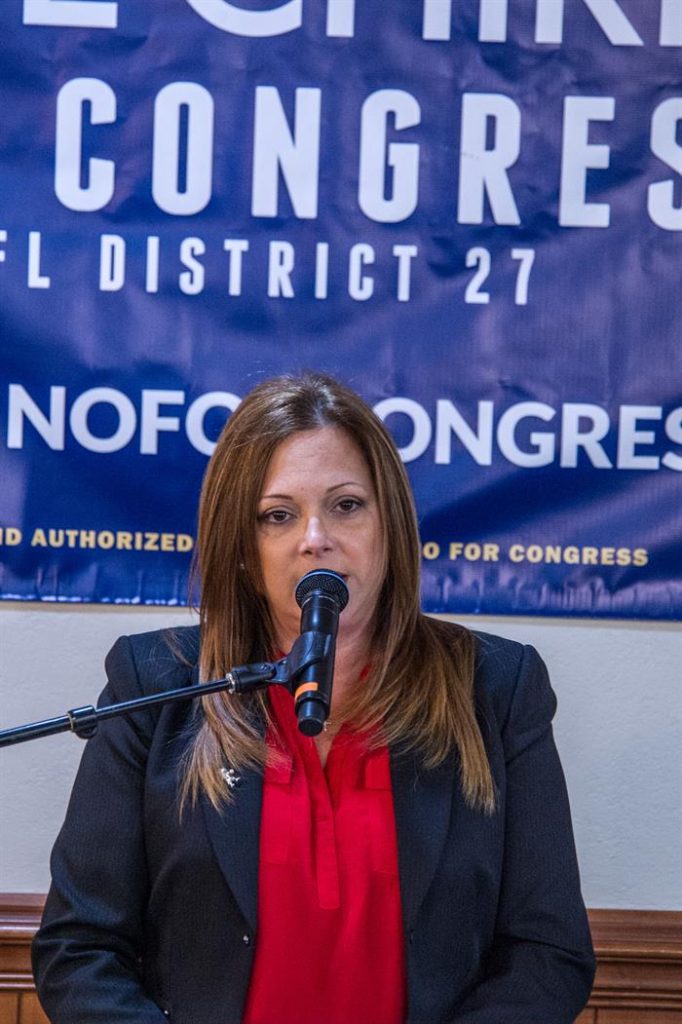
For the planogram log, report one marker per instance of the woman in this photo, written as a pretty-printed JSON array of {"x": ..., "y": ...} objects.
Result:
[{"x": 413, "y": 862}]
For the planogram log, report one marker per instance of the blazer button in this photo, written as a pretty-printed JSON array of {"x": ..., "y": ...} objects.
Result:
[{"x": 246, "y": 939}]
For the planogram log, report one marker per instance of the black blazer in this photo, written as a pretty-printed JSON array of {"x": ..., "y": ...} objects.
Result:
[{"x": 150, "y": 918}]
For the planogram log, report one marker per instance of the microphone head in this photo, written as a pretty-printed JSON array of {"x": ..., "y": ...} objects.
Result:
[{"x": 323, "y": 581}]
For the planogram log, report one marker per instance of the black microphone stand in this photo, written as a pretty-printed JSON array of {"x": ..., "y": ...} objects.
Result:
[{"x": 310, "y": 648}]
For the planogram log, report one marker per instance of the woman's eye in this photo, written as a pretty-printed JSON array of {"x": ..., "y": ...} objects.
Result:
[
  {"x": 348, "y": 505},
  {"x": 274, "y": 515}
]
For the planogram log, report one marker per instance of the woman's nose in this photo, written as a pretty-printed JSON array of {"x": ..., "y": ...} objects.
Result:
[{"x": 316, "y": 538}]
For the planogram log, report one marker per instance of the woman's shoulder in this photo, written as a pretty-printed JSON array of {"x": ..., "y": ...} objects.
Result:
[
  {"x": 512, "y": 680},
  {"x": 508, "y": 675},
  {"x": 493, "y": 655},
  {"x": 145, "y": 663},
  {"x": 498, "y": 655}
]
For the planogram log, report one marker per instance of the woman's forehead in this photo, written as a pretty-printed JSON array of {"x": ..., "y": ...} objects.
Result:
[{"x": 324, "y": 452}]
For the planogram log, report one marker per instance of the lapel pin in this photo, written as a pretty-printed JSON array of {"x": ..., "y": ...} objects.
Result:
[{"x": 231, "y": 777}]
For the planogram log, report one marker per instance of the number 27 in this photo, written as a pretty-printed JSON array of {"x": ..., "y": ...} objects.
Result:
[{"x": 479, "y": 258}]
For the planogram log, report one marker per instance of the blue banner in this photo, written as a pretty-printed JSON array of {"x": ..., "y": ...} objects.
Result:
[{"x": 470, "y": 211}]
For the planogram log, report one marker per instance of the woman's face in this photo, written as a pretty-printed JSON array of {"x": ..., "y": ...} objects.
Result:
[{"x": 318, "y": 510}]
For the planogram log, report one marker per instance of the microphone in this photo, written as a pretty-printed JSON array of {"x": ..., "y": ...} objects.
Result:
[{"x": 321, "y": 595}]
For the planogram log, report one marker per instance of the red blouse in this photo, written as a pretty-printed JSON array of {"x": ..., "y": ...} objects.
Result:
[{"x": 329, "y": 945}]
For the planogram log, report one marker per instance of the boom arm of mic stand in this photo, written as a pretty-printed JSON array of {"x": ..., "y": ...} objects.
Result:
[
  {"x": 84, "y": 721},
  {"x": 309, "y": 649}
]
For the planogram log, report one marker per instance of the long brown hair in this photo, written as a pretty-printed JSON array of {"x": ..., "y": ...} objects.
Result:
[{"x": 419, "y": 693}]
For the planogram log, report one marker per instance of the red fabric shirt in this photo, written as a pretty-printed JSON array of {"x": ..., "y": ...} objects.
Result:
[{"x": 329, "y": 945}]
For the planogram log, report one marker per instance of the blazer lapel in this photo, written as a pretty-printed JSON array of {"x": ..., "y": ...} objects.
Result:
[
  {"x": 234, "y": 831},
  {"x": 422, "y": 800}
]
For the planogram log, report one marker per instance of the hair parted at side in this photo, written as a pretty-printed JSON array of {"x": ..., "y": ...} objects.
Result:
[{"x": 419, "y": 693}]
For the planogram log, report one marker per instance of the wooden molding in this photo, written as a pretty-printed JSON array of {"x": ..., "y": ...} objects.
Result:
[
  {"x": 19, "y": 919},
  {"x": 639, "y": 954},
  {"x": 639, "y": 957}
]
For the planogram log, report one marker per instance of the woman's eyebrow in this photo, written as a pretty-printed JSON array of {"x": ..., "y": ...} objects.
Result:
[
  {"x": 334, "y": 487},
  {"x": 346, "y": 483}
]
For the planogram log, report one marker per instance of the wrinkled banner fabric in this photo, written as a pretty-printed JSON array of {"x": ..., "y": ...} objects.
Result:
[{"x": 469, "y": 211}]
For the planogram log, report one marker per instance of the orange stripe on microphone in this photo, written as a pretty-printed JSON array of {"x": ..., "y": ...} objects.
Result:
[{"x": 305, "y": 688}]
